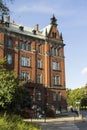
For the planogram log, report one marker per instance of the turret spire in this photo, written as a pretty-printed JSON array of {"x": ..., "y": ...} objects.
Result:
[{"x": 53, "y": 20}]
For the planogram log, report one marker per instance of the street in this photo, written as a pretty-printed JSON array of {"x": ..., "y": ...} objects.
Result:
[
  {"x": 65, "y": 125},
  {"x": 70, "y": 122},
  {"x": 82, "y": 125}
]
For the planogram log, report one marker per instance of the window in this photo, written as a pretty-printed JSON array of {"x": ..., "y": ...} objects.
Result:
[
  {"x": 39, "y": 63},
  {"x": 58, "y": 52},
  {"x": 55, "y": 65},
  {"x": 25, "y": 61},
  {"x": 22, "y": 75},
  {"x": 28, "y": 46},
  {"x": 39, "y": 78},
  {"x": 54, "y": 51},
  {"x": 21, "y": 45},
  {"x": 51, "y": 52},
  {"x": 39, "y": 96},
  {"x": 9, "y": 44},
  {"x": 59, "y": 96},
  {"x": 53, "y": 35},
  {"x": 21, "y": 28},
  {"x": 38, "y": 48},
  {"x": 22, "y": 61},
  {"x": 25, "y": 75},
  {"x": 9, "y": 58},
  {"x": 56, "y": 80},
  {"x": 54, "y": 96},
  {"x": 25, "y": 46}
]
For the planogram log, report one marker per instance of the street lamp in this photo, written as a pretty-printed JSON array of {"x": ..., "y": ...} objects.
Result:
[
  {"x": 46, "y": 102},
  {"x": 78, "y": 103}
]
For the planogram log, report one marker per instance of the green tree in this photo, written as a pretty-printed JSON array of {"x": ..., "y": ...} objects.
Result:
[
  {"x": 21, "y": 98},
  {"x": 8, "y": 84},
  {"x": 68, "y": 94},
  {"x": 3, "y": 62},
  {"x": 3, "y": 7},
  {"x": 75, "y": 96},
  {"x": 14, "y": 93}
]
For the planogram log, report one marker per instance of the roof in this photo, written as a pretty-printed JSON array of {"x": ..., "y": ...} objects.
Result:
[
  {"x": 41, "y": 34},
  {"x": 47, "y": 28}
]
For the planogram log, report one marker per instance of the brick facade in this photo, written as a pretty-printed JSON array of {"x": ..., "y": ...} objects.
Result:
[{"x": 37, "y": 56}]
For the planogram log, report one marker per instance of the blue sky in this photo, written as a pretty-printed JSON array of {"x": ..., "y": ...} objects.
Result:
[{"x": 72, "y": 22}]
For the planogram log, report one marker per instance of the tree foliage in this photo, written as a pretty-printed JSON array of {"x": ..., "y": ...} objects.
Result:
[
  {"x": 21, "y": 98},
  {"x": 3, "y": 62},
  {"x": 8, "y": 84},
  {"x": 14, "y": 92},
  {"x": 3, "y": 7},
  {"x": 77, "y": 95}
]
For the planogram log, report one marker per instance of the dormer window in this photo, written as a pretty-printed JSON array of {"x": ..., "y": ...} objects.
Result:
[
  {"x": 34, "y": 32},
  {"x": 7, "y": 24},
  {"x": 21, "y": 28}
]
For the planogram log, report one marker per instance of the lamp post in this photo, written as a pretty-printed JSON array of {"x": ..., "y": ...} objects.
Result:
[
  {"x": 46, "y": 102},
  {"x": 78, "y": 103}
]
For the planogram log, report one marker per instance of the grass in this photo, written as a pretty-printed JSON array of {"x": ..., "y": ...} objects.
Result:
[{"x": 14, "y": 122}]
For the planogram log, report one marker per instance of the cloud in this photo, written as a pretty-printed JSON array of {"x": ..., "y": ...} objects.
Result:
[
  {"x": 73, "y": 15},
  {"x": 84, "y": 71},
  {"x": 44, "y": 7},
  {"x": 34, "y": 8}
]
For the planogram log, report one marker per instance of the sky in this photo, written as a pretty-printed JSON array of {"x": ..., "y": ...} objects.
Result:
[{"x": 72, "y": 22}]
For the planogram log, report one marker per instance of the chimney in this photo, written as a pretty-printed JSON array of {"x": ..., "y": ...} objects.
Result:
[
  {"x": 8, "y": 19},
  {"x": 36, "y": 27}
]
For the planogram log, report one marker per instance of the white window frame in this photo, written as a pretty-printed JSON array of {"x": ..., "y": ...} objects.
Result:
[
  {"x": 55, "y": 65},
  {"x": 56, "y": 80},
  {"x": 25, "y": 75},
  {"x": 25, "y": 61},
  {"x": 39, "y": 78}
]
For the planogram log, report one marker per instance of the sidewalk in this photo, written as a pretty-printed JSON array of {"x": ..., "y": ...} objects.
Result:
[
  {"x": 67, "y": 118},
  {"x": 53, "y": 120}
]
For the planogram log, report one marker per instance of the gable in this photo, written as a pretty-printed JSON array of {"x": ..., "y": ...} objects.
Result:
[{"x": 54, "y": 33}]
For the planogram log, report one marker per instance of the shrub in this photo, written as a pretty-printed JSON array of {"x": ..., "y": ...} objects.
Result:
[
  {"x": 50, "y": 113},
  {"x": 25, "y": 113},
  {"x": 15, "y": 122}
]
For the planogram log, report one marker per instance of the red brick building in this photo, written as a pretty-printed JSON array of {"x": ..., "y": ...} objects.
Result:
[{"x": 37, "y": 56}]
